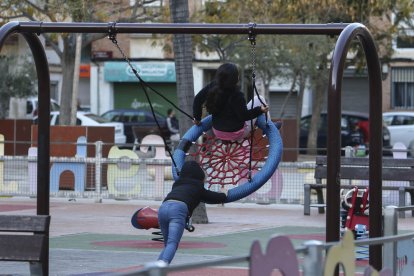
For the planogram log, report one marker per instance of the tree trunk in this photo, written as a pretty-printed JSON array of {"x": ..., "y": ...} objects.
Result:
[
  {"x": 75, "y": 88},
  {"x": 185, "y": 85},
  {"x": 317, "y": 102},
  {"x": 287, "y": 97},
  {"x": 68, "y": 63},
  {"x": 299, "y": 103}
]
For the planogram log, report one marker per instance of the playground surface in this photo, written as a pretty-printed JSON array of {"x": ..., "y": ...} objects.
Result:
[{"x": 88, "y": 238}]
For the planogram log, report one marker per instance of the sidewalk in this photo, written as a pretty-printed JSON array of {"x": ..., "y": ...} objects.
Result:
[{"x": 88, "y": 238}]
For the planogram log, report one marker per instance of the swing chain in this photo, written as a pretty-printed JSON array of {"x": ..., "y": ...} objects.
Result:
[
  {"x": 252, "y": 39},
  {"x": 112, "y": 32},
  {"x": 112, "y": 37}
]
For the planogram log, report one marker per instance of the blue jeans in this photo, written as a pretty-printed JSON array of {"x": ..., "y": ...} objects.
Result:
[{"x": 172, "y": 216}]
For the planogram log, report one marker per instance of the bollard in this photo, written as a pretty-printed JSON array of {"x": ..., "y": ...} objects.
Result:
[
  {"x": 349, "y": 151},
  {"x": 313, "y": 262}
]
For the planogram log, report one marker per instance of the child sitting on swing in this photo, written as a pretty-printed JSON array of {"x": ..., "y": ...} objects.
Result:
[{"x": 226, "y": 103}]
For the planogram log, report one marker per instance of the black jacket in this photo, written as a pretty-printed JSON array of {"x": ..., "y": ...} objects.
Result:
[
  {"x": 232, "y": 114},
  {"x": 189, "y": 188}
]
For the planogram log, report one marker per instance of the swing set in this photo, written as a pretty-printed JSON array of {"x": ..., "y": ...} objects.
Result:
[
  {"x": 225, "y": 162},
  {"x": 346, "y": 32}
]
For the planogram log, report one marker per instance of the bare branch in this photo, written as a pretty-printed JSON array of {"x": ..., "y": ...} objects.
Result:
[{"x": 54, "y": 45}]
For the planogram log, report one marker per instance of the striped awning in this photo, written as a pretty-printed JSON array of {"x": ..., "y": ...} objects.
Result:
[{"x": 402, "y": 74}]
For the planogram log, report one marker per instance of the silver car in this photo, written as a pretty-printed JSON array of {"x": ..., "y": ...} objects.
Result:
[{"x": 401, "y": 127}]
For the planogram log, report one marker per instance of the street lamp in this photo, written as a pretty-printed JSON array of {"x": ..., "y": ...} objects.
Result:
[{"x": 384, "y": 70}]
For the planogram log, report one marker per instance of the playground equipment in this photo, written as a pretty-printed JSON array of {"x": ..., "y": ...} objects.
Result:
[
  {"x": 355, "y": 214},
  {"x": 147, "y": 218},
  {"x": 348, "y": 33}
]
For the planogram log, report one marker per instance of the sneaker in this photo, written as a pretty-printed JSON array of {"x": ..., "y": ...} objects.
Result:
[
  {"x": 156, "y": 264},
  {"x": 161, "y": 263}
]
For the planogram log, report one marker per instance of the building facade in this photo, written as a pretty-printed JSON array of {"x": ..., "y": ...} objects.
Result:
[{"x": 106, "y": 81}]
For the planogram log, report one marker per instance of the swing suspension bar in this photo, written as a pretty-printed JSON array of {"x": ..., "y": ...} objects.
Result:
[{"x": 180, "y": 28}]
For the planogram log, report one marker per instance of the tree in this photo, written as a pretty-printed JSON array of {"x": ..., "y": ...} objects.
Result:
[
  {"x": 275, "y": 56},
  {"x": 76, "y": 11},
  {"x": 376, "y": 15},
  {"x": 15, "y": 81},
  {"x": 183, "y": 56}
]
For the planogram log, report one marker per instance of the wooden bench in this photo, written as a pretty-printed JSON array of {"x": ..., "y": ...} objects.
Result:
[
  {"x": 356, "y": 168},
  {"x": 24, "y": 239}
]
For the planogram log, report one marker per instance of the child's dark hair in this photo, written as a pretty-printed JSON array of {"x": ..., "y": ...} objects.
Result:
[
  {"x": 226, "y": 79},
  {"x": 169, "y": 111}
]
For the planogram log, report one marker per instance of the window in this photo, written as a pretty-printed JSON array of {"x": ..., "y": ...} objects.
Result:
[
  {"x": 402, "y": 89},
  {"x": 404, "y": 42},
  {"x": 387, "y": 120},
  {"x": 405, "y": 36},
  {"x": 344, "y": 124},
  {"x": 402, "y": 120},
  {"x": 29, "y": 107}
]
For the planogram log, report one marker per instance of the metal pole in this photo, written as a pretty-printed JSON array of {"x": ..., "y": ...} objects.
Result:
[
  {"x": 390, "y": 229},
  {"x": 181, "y": 28},
  {"x": 352, "y": 31},
  {"x": 98, "y": 171}
]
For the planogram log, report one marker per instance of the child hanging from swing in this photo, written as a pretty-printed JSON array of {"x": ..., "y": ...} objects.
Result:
[
  {"x": 225, "y": 102},
  {"x": 186, "y": 193}
]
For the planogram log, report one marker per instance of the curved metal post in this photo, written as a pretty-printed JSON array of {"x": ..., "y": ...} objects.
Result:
[
  {"x": 42, "y": 70},
  {"x": 352, "y": 31},
  {"x": 43, "y": 133}
]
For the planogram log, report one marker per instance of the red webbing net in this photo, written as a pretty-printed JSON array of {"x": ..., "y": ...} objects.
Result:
[{"x": 227, "y": 162}]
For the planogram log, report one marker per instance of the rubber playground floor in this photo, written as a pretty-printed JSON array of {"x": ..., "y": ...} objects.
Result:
[{"x": 88, "y": 238}]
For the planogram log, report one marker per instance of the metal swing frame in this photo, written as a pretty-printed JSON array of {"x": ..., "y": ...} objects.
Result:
[{"x": 346, "y": 32}]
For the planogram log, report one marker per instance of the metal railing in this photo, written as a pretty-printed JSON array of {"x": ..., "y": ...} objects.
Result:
[
  {"x": 313, "y": 252},
  {"x": 19, "y": 177}
]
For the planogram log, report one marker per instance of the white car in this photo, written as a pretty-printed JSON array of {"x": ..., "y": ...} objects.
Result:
[
  {"x": 32, "y": 104},
  {"x": 401, "y": 127},
  {"x": 91, "y": 119}
]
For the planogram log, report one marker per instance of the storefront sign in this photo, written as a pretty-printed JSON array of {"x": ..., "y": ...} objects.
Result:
[
  {"x": 101, "y": 55},
  {"x": 148, "y": 71},
  {"x": 85, "y": 71}
]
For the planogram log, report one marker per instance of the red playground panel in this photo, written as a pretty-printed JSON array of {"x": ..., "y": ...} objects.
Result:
[{"x": 145, "y": 218}]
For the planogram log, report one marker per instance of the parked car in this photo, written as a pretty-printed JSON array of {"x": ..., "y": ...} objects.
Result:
[
  {"x": 138, "y": 123},
  {"x": 32, "y": 105},
  {"x": 90, "y": 119},
  {"x": 348, "y": 119},
  {"x": 401, "y": 126}
]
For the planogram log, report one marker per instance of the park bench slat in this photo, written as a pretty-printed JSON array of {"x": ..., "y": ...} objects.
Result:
[
  {"x": 24, "y": 223},
  {"x": 25, "y": 239},
  {"x": 362, "y": 161},
  {"x": 25, "y": 248},
  {"x": 361, "y": 173}
]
